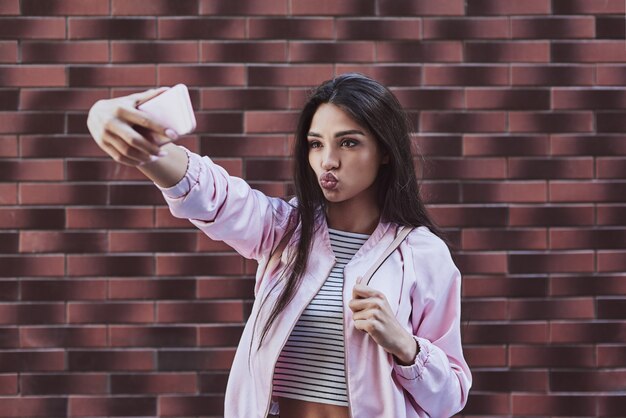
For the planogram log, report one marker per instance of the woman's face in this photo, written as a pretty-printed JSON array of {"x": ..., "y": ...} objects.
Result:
[{"x": 340, "y": 146}]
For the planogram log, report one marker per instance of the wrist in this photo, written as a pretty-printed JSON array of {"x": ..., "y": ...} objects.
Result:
[{"x": 408, "y": 352}]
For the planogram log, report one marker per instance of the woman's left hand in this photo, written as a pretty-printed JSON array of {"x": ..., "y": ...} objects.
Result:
[{"x": 372, "y": 314}]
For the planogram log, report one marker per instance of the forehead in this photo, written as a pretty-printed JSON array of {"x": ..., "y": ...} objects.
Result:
[{"x": 329, "y": 117}]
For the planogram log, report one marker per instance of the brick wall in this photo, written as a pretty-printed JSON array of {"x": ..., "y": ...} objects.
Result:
[{"x": 110, "y": 306}]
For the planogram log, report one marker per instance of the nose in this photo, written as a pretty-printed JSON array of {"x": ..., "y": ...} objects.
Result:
[{"x": 329, "y": 159}]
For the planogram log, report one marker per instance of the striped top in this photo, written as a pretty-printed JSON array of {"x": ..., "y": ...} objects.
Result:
[{"x": 311, "y": 365}]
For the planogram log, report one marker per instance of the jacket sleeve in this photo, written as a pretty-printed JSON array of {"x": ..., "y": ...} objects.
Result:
[
  {"x": 226, "y": 208},
  {"x": 439, "y": 380}
]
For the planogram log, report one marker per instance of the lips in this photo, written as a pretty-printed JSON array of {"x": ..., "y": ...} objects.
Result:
[{"x": 328, "y": 181}]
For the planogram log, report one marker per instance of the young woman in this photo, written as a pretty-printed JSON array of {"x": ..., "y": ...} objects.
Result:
[{"x": 319, "y": 342}]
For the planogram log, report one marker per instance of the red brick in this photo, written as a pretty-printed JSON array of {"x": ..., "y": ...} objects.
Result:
[
  {"x": 33, "y": 28},
  {"x": 486, "y": 356},
  {"x": 582, "y": 286},
  {"x": 612, "y": 122},
  {"x": 267, "y": 7},
  {"x": 591, "y": 51},
  {"x": 33, "y": 76},
  {"x": 611, "y": 356},
  {"x": 145, "y": 194},
  {"x": 62, "y": 384},
  {"x": 270, "y": 121},
  {"x": 65, "y": 7},
  {"x": 26, "y": 218},
  {"x": 9, "y": 337},
  {"x": 63, "y": 289},
  {"x": 14, "y": 122},
  {"x": 8, "y": 52},
  {"x": 548, "y": 405},
  {"x": 37, "y": 313},
  {"x": 39, "y": 265},
  {"x": 26, "y": 360},
  {"x": 212, "y": 382},
  {"x": 378, "y": 29},
  {"x": 421, "y": 8},
  {"x": 552, "y": 75},
  {"x": 586, "y": 332},
  {"x": 549, "y": 168},
  {"x": 291, "y": 28},
  {"x": 201, "y": 75},
  {"x": 389, "y": 75},
  {"x": 292, "y": 75},
  {"x": 33, "y": 407},
  {"x": 217, "y": 336},
  {"x": 463, "y": 28},
  {"x": 8, "y": 384},
  {"x": 611, "y": 309},
  {"x": 609, "y": 75},
  {"x": 610, "y": 27},
  {"x": 520, "y": 332},
  {"x": 488, "y": 145},
  {"x": 152, "y": 289},
  {"x": 192, "y": 360},
  {"x": 9, "y": 100},
  {"x": 329, "y": 7},
  {"x": 175, "y": 336},
  {"x": 248, "y": 98},
  {"x": 462, "y": 122},
  {"x": 136, "y": 75},
  {"x": 32, "y": 170},
  {"x": 483, "y": 239},
  {"x": 216, "y": 288},
  {"x": 553, "y": 27},
  {"x": 9, "y": 290},
  {"x": 61, "y": 194},
  {"x": 109, "y": 218},
  {"x": 513, "y": 380},
  {"x": 109, "y": 28},
  {"x": 201, "y": 28},
  {"x": 85, "y": 406},
  {"x": 431, "y": 51},
  {"x": 588, "y": 145},
  {"x": 51, "y": 146},
  {"x": 589, "y": 98},
  {"x": 158, "y": 8},
  {"x": 154, "y": 52},
  {"x": 199, "y": 312},
  {"x": 514, "y": 99},
  {"x": 466, "y": 75},
  {"x": 571, "y": 308},
  {"x": 271, "y": 51},
  {"x": 553, "y": 357},
  {"x": 9, "y": 242},
  {"x": 430, "y": 98},
  {"x": 608, "y": 168},
  {"x": 572, "y": 262},
  {"x": 8, "y": 194},
  {"x": 111, "y": 360},
  {"x": 496, "y": 286},
  {"x": 554, "y": 215},
  {"x": 581, "y": 191},
  {"x": 154, "y": 383},
  {"x": 182, "y": 265},
  {"x": 88, "y": 265},
  {"x": 317, "y": 52},
  {"x": 611, "y": 214},
  {"x": 164, "y": 219},
  {"x": 611, "y": 261},
  {"x": 63, "y": 337},
  {"x": 9, "y": 7},
  {"x": 496, "y": 7},
  {"x": 258, "y": 170},
  {"x": 64, "y": 100},
  {"x": 56, "y": 52},
  {"x": 176, "y": 406},
  {"x": 588, "y": 6},
  {"x": 8, "y": 144},
  {"x": 65, "y": 242},
  {"x": 513, "y": 51},
  {"x": 106, "y": 312},
  {"x": 518, "y": 191},
  {"x": 551, "y": 122},
  {"x": 152, "y": 242}
]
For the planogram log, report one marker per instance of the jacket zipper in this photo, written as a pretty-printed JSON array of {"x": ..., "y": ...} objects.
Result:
[{"x": 269, "y": 404}]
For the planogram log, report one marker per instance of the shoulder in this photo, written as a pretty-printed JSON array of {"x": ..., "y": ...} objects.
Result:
[{"x": 424, "y": 242}]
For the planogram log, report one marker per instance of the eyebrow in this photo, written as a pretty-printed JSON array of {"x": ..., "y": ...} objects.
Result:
[{"x": 338, "y": 134}]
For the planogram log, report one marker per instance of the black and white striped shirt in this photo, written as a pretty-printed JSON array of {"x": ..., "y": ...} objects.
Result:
[{"x": 311, "y": 365}]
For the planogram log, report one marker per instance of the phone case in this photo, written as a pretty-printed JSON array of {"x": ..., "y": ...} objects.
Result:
[{"x": 173, "y": 109}]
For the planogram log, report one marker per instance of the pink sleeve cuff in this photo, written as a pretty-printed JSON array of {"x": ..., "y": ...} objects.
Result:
[
  {"x": 192, "y": 174},
  {"x": 415, "y": 370}
]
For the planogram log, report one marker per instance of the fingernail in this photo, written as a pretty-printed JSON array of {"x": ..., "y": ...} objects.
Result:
[
  {"x": 162, "y": 153},
  {"x": 171, "y": 134}
]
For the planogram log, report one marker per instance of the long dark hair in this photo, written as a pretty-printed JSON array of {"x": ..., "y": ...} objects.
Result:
[{"x": 372, "y": 106}]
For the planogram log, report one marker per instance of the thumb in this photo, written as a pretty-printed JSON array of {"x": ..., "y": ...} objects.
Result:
[{"x": 144, "y": 96}]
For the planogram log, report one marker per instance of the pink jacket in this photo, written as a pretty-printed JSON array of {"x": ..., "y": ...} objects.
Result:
[{"x": 420, "y": 280}]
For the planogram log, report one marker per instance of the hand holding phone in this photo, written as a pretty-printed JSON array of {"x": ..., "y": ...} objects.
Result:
[{"x": 173, "y": 109}]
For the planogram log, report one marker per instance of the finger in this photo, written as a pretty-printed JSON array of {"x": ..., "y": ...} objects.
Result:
[
  {"x": 134, "y": 155},
  {"x": 144, "y": 96},
  {"x": 143, "y": 119},
  {"x": 134, "y": 138},
  {"x": 117, "y": 156}
]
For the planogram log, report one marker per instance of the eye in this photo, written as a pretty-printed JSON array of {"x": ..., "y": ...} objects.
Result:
[
  {"x": 349, "y": 140},
  {"x": 313, "y": 143}
]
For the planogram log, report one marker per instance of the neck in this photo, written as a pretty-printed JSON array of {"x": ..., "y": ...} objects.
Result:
[{"x": 352, "y": 217}]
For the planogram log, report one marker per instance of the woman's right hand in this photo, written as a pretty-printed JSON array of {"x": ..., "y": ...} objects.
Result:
[{"x": 113, "y": 124}]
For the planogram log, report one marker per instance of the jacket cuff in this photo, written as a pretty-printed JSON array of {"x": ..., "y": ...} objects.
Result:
[
  {"x": 415, "y": 370},
  {"x": 190, "y": 179}
]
